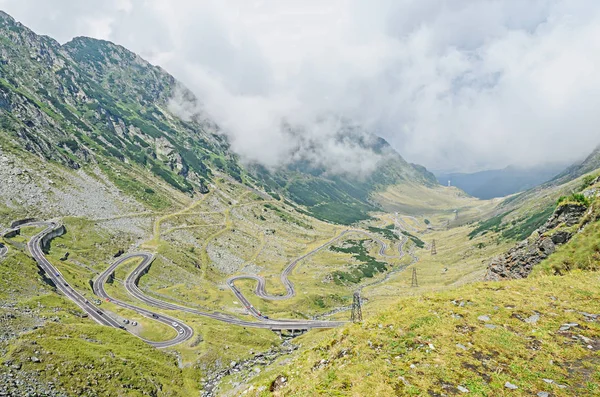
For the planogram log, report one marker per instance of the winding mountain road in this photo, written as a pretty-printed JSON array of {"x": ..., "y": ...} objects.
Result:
[
  {"x": 132, "y": 288},
  {"x": 184, "y": 331},
  {"x": 260, "y": 289},
  {"x": 94, "y": 312}
]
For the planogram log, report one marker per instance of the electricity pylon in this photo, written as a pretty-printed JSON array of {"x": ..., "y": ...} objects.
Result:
[
  {"x": 414, "y": 283},
  {"x": 356, "y": 316},
  {"x": 433, "y": 250}
]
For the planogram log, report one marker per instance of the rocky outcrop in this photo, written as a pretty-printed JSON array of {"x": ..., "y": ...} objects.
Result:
[
  {"x": 59, "y": 231},
  {"x": 520, "y": 260}
]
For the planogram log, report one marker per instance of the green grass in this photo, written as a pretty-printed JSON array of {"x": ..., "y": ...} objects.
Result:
[
  {"x": 137, "y": 189},
  {"x": 367, "y": 267},
  {"x": 577, "y": 198},
  {"x": 412, "y": 347},
  {"x": 582, "y": 252},
  {"x": 418, "y": 242},
  {"x": 521, "y": 229},
  {"x": 490, "y": 225},
  {"x": 86, "y": 358},
  {"x": 387, "y": 232}
]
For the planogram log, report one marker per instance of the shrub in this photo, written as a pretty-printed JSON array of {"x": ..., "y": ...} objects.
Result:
[{"x": 574, "y": 198}]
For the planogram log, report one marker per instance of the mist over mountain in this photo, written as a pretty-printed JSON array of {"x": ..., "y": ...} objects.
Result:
[
  {"x": 456, "y": 85},
  {"x": 92, "y": 101}
]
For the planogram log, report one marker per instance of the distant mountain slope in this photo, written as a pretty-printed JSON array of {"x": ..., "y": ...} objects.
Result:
[
  {"x": 591, "y": 163},
  {"x": 520, "y": 215},
  {"x": 91, "y": 103},
  {"x": 343, "y": 198},
  {"x": 499, "y": 183}
]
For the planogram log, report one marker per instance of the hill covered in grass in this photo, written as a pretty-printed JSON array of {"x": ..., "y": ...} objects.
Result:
[{"x": 516, "y": 338}]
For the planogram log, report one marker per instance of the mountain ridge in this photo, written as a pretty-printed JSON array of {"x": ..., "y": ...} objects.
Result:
[{"x": 91, "y": 101}]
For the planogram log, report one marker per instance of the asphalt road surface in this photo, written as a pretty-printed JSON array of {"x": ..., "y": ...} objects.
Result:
[
  {"x": 132, "y": 288},
  {"x": 289, "y": 286},
  {"x": 184, "y": 332}
]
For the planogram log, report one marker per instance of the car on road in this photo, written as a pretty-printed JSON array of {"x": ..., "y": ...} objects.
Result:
[
  {"x": 66, "y": 285},
  {"x": 174, "y": 324},
  {"x": 122, "y": 327},
  {"x": 266, "y": 317},
  {"x": 57, "y": 274},
  {"x": 99, "y": 312},
  {"x": 154, "y": 315},
  {"x": 181, "y": 331}
]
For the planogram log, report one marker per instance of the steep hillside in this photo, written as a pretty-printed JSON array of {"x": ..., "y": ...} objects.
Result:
[
  {"x": 591, "y": 163},
  {"x": 93, "y": 104},
  {"x": 575, "y": 214},
  {"x": 91, "y": 101},
  {"x": 518, "y": 216},
  {"x": 533, "y": 337},
  {"x": 343, "y": 198},
  {"x": 538, "y": 336}
]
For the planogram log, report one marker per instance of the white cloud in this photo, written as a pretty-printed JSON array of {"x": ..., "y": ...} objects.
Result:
[{"x": 458, "y": 84}]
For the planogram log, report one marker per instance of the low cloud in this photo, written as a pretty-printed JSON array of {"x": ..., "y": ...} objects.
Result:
[{"x": 455, "y": 85}]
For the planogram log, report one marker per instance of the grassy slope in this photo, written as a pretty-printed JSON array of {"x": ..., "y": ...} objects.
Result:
[
  {"x": 583, "y": 251},
  {"x": 412, "y": 347},
  {"x": 75, "y": 353},
  {"x": 516, "y": 217},
  {"x": 390, "y": 353}
]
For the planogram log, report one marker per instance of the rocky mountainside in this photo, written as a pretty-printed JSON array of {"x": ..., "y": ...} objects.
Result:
[
  {"x": 570, "y": 217},
  {"x": 591, "y": 163},
  {"x": 91, "y": 103}
]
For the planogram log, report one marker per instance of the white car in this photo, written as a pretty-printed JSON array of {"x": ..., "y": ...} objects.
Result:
[
  {"x": 181, "y": 331},
  {"x": 174, "y": 324}
]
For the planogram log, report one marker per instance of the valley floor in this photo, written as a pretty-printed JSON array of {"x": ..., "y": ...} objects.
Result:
[{"x": 234, "y": 231}]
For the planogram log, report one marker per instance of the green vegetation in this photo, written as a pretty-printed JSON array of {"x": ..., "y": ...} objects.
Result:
[
  {"x": 367, "y": 267},
  {"x": 418, "y": 242},
  {"x": 521, "y": 229},
  {"x": 387, "y": 233},
  {"x": 581, "y": 252},
  {"x": 577, "y": 198},
  {"x": 135, "y": 188},
  {"x": 432, "y": 344},
  {"x": 518, "y": 229},
  {"x": 588, "y": 181},
  {"x": 490, "y": 225},
  {"x": 103, "y": 361},
  {"x": 287, "y": 217}
]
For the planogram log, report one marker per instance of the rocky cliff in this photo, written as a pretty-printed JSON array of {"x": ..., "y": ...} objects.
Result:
[{"x": 568, "y": 219}]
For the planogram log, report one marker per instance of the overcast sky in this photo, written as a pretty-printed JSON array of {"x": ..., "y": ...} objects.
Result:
[{"x": 451, "y": 84}]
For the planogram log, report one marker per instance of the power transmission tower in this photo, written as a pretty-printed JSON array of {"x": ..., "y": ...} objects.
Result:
[
  {"x": 414, "y": 283},
  {"x": 433, "y": 250},
  {"x": 356, "y": 316}
]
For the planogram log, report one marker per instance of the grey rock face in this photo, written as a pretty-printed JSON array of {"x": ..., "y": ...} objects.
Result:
[{"x": 519, "y": 261}]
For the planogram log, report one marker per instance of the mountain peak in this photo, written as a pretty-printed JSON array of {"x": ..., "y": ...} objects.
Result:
[{"x": 5, "y": 17}]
